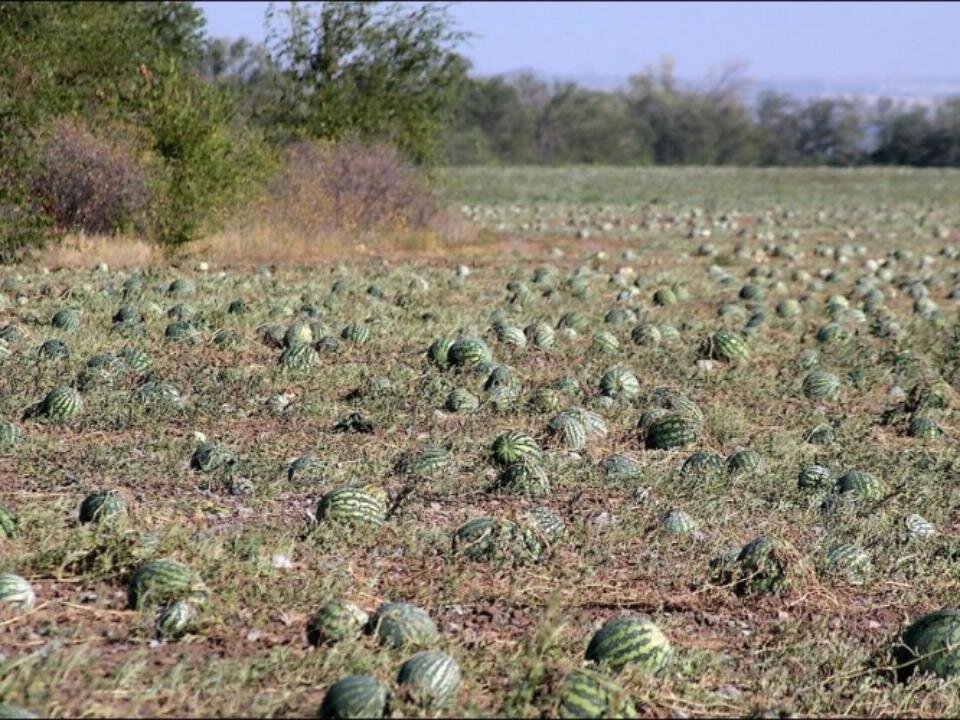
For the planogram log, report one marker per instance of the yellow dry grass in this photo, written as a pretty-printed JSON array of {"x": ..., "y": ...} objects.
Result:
[{"x": 87, "y": 250}]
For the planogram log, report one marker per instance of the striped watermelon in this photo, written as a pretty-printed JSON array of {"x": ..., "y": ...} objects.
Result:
[
  {"x": 356, "y": 332},
  {"x": 101, "y": 507},
  {"x": 53, "y": 350},
  {"x": 510, "y": 335},
  {"x": 670, "y": 431},
  {"x": 820, "y": 385},
  {"x": 299, "y": 357},
  {"x": 677, "y": 522},
  {"x": 547, "y": 522},
  {"x": 646, "y": 334},
  {"x": 525, "y": 477},
  {"x": 307, "y": 468},
  {"x": 919, "y": 528},
  {"x": 728, "y": 346},
  {"x": 630, "y": 641},
  {"x": 159, "y": 394},
  {"x": 430, "y": 678},
  {"x": 759, "y": 569},
  {"x": 569, "y": 427},
  {"x": 10, "y": 433},
  {"x": 514, "y": 446},
  {"x": 860, "y": 484},
  {"x": 604, "y": 341},
  {"x": 822, "y": 434},
  {"x": 744, "y": 461},
  {"x": 399, "y": 625},
  {"x": 355, "y": 696},
  {"x": 703, "y": 464},
  {"x": 930, "y": 645},
  {"x": 468, "y": 353},
  {"x": 544, "y": 400},
  {"x": 163, "y": 581},
  {"x": 62, "y": 404},
  {"x": 336, "y": 621},
  {"x": 574, "y": 321},
  {"x": 620, "y": 383},
  {"x": 621, "y": 468},
  {"x": 176, "y": 620},
  {"x": 365, "y": 505},
  {"x": 815, "y": 477},
  {"x": 428, "y": 461},
  {"x": 66, "y": 319},
  {"x": 210, "y": 456},
  {"x": 137, "y": 360},
  {"x": 9, "y": 524},
  {"x": 16, "y": 593},
  {"x": 589, "y": 694},
  {"x": 924, "y": 427},
  {"x": 849, "y": 561},
  {"x": 540, "y": 335},
  {"x": 460, "y": 400}
]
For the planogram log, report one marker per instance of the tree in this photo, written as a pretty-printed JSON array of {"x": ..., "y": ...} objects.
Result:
[{"x": 367, "y": 69}]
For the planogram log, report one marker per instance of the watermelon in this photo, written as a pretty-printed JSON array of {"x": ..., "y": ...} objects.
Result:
[
  {"x": 355, "y": 696},
  {"x": 16, "y": 593},
  {"x": 820, "y": 385},
  {"x": 822, "y": 434},
  {"x": 428, "y": 461},
  {"x": 670, "y": 431},
  {"x": 356, "y": 332},
  {"x": 849, "y": 561},
  {"x": 546, "y": 522},
  {"x": 357, "y": 506},
  {"x": 209, "y": 456},
  {"x": 677, "y": 522},
  {"x": 10, "y": 433},
  {"x": 9, "y": 711},
  {"x": 621, "y": 468},
  {"x": 703, "y": 464},
  {"x": 101, "y": 507},
  {"x": 544, "y": 400},
  {"x": 430, "y": 678},
  {"x": 136, "y": 360},
  {"x": 460, "y": 400},
  {"x": 632, "y": 641},
  {"x": 66, "y": 319},
  {"x": 525, "y": 477},
  {"x": 758, "y": 569},
  {"x": 729, "y": 346},
  {"x": 589, "y": 694},
  {"x": 176, "y": 620},
  {"x": 299, "y": 357},
  {"x": 336, "y": 621},
  {"x": 744, "y": 461},
  {"x": 399, "y": 625},
  {"x": 604, "y": 341},
  {"x": 468, "y": 353},
  {"x": 860, "y": 484},
  {"x": 815, "y": 477},
  {"x": 162, "y": 581},
  {"x": 620, "y": 383},
  {"x": 931, "y": 645},
  {"x": 924, "y": 427},
  {"x": 540, "y": 335},
  {"x": 510, "y": 335},
  {"x": 9, "y": 524},
  {"x": 61, "y": 404},
  {"x": 569, "y": 427},
  {"x": 53, "y": 350},
  {"x": 646, "y": 334},
  {"x": 484, "y": 539},
  {"x": 159, "y": 394},
  {"x": 514, "y": 446},
  {"x": 919, "y": 528}
]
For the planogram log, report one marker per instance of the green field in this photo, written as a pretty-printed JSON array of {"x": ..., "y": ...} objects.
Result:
[{"x": 809, "y": 317}]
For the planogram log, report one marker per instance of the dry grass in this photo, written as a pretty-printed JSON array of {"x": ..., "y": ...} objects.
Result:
[{"x": 81, "y": 251}]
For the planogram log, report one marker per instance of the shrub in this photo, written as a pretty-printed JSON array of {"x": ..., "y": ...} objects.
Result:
[
  {"x": 89, "y": 183},
  {"x": 349, "y": 186}
]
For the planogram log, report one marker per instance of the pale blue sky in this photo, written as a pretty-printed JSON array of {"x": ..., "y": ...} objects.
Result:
[{"x": 779, "y": 40}]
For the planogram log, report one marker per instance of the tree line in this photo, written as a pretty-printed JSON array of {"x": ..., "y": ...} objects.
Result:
[{"x": 118, "y": 116}]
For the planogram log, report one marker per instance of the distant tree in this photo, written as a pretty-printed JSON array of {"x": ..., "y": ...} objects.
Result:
[{"x": 367, "y": 69}]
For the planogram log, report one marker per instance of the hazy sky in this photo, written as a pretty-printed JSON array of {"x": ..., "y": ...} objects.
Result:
[{"x": 781, "y": 40}]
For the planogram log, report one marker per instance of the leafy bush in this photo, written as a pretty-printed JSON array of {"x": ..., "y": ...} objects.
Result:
[
  {"x": 349, "y": 186},
  {"x": 89, "y": 183}
]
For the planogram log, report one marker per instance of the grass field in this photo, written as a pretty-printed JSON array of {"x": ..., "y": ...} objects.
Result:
[{"x": 850, "y": 273}]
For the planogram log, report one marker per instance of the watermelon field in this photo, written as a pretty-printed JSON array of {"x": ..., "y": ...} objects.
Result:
[{"x": 654, "y": 443}]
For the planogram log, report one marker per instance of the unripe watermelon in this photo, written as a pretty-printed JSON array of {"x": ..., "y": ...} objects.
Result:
[
  {"x": 355, "y": 696},
  {"x": 336, "y": 621},
  {"x": 399, "y": 625},
  {"x": 587, "y": 694},
  {"x": 631, "y": 641},
  {"x": 430, "y": 677},
  {"x": 163, "y": 581}
]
